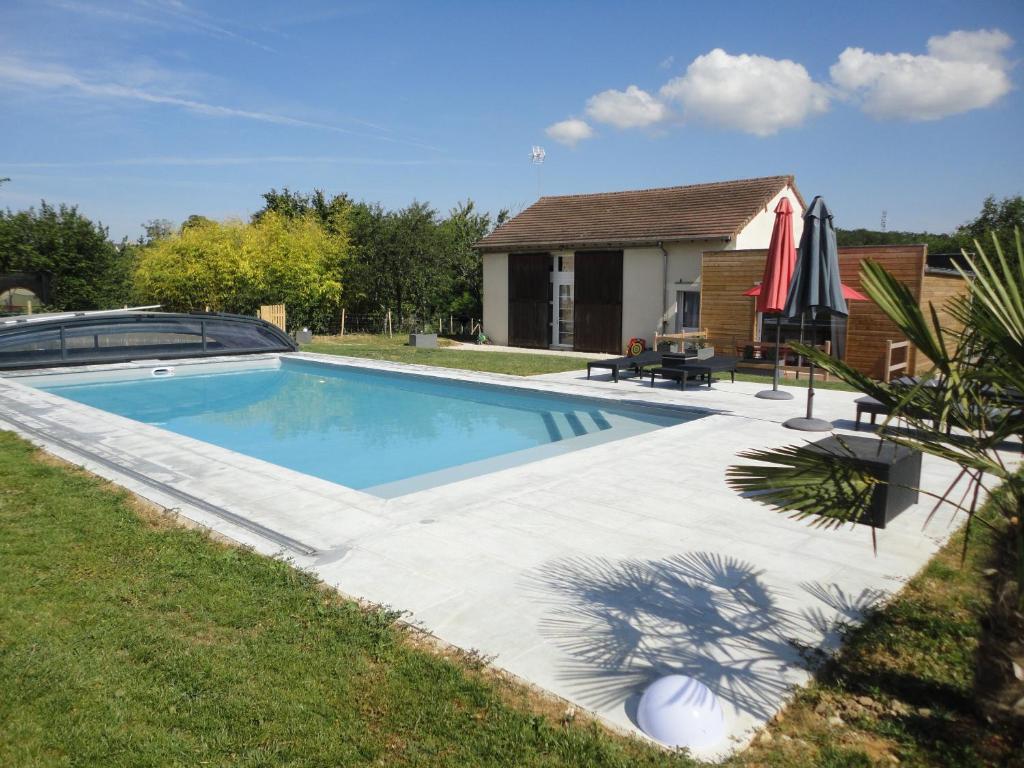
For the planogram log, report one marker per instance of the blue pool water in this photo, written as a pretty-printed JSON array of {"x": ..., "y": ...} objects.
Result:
[{"x": 365, "y": 429}]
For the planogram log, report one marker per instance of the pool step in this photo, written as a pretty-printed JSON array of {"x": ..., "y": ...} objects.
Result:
[{"x": 562, "y": 425}]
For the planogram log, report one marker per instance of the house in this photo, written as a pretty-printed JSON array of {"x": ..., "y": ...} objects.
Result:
[{"x": 589, "y": 272}]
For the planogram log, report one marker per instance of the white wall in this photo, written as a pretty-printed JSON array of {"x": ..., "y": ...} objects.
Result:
[
  {"x": 758, "y": 233},
  {"x": 642, "y": 284},
  {"x": 641, "y": 289},
  {"x": 496, "y": 297}
]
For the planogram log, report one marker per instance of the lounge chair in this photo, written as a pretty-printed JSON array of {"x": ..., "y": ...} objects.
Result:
[
  {"x": 633, "y": 363},
  {"x": 688, "y": 368}
]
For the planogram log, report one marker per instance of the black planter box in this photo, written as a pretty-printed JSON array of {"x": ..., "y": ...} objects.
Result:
[{"x": 897, "y": 465}]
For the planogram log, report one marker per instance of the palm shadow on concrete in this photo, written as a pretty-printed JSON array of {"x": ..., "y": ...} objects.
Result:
[{"x": 624, "y": 623}]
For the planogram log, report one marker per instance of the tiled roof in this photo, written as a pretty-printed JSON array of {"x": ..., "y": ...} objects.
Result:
[{"x": 717, "y": 211}]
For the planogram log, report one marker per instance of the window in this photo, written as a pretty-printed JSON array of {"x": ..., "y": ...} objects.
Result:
[{"x": 687, "y": 311}]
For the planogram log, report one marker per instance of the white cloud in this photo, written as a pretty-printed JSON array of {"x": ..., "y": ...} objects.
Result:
[
  {"x": 754, "y": 94},
  {"x": 220, "y": 161},
  {"x": 667, "y": 62},
  {"x": 17, "y": 73},
  {"x": 985, "y": 45},
  {"x": 164, "y": 15},
  {"x": 961, "y": 71},
  {"x": 570, "y": 131},
  {"x": 632, "y": 108}
]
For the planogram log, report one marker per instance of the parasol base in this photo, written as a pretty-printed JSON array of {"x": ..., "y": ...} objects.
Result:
[
  {"x": 774, "y": 394},
  {"x": 808, "y": 425}
]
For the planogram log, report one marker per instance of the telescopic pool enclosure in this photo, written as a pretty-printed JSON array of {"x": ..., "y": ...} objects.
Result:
[{"x": 81, "y": 338}]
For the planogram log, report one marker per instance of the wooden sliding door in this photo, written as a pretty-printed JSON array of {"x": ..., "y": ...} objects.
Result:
[
  {"x": 529, "y": 299},
  {"x": 598, "y": 297}
]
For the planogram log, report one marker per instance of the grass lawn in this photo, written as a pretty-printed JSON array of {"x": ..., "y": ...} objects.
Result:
[
  {"x": 383, "y": 348},
  {"x": 126, "y": 640},
  {"x": 379, "y": 347},
  {"x": 766, "y": 379}
]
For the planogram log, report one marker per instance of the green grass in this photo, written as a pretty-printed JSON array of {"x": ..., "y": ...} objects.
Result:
[
  {"x": 128, "y": 641},
  {"x": 766, "y": 379},
  {"x": 396, "y": 349},
  {"x": 913, "y": 663},
  {"x": 519, "y": 364}
]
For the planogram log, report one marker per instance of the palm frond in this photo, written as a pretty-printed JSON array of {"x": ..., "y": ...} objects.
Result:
[{"x": 809, "y": 481}]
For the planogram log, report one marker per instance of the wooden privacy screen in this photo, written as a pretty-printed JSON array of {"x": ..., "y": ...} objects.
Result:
[
  {"x": 598, "y": 301},
  {"x": 529, "y": 299},
  {"x": 274, "y": 314},
  {"x": 730, "y": 318},
  {"x": 725, "y": 312},
  {"x": 868, "y": 328}
]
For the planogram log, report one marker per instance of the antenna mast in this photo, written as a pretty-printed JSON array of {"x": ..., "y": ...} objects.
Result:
[{"x": 537, "y": 155}]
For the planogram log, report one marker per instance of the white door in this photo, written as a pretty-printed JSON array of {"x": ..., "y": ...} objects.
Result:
[{"x": 562, "y": 302}]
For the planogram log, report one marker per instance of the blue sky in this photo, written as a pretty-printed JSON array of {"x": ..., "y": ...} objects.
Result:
[{"x": 145, "y": 109}]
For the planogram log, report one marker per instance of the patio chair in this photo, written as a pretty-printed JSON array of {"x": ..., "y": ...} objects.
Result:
[{"x": 633, "y": 363}]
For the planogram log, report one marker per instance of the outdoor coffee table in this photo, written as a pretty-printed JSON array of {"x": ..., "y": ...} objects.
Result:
[{"x": 898, "y": 466}]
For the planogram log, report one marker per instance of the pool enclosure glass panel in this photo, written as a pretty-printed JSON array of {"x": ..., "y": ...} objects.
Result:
[
  {"x": 39, "y": 346},
  {"x": 114, "y": 337}
]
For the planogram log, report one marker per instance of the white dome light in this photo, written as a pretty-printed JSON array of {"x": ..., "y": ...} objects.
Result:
[{"x": 678, "y": 711}]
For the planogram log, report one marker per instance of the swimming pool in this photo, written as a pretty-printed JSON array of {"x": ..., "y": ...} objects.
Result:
[{"x": 377, "y": 431}]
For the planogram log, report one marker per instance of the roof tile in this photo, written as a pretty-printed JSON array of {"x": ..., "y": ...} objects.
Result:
[{"x": 699, "y": 211}]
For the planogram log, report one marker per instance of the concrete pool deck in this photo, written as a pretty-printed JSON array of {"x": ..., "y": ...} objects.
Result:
[{"x": 588, "y": 574}]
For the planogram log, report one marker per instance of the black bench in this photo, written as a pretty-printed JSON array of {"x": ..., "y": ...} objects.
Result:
[{"x": 870, "y": 406}]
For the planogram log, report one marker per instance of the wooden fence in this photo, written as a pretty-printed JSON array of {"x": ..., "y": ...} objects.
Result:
[
  {"x": 389, "y": 323},
  {"x": 274, "y": 314}
]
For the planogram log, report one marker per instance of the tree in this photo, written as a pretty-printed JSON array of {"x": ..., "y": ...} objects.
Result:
[
  {"x": 396, "y": 260},
  {"x": 86, "y": 270},
  {"x": 236, "y": 267},
  {"x": 196, "y": 221},
  {"x": 937, "y": 243},
  {"x": 998, "y": 217},
  {"x": 408, "y": 261},
  {"x": 156, "y": 229},
  {"x": 331, "y": 213},
  {"x": 464, "y": 227}
]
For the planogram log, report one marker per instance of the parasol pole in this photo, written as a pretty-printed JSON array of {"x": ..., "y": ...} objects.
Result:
[
  {"x": 778, "y": 342},
  {"x": 775, "y": 393},
  {"x": 809, "y": 423}
]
